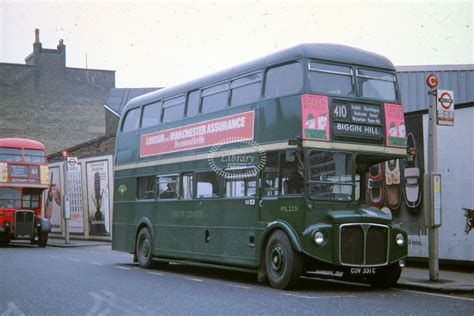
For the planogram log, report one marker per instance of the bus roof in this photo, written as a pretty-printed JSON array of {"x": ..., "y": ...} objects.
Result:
[
  {"x": 328, "y": 52},
  {"x": 22, "y": 143}
]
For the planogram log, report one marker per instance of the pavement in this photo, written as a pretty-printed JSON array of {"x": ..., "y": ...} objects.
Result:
[
  {"x": 415, "y": 277},
  {"x": 450, "y": 281}
]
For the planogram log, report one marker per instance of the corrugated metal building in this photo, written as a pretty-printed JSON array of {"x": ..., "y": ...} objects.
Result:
[
  {"x": 458, "y": 78},
  {"x": 455, "y": 151}
]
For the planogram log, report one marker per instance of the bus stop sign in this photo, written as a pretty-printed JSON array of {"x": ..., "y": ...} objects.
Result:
[
  {"x": 432, "y": 81},
  {"x": 445, "y": 107},
  {"x": 71, "y": 163}
]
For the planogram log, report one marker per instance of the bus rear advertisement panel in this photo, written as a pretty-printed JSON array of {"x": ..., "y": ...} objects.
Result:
[{"x": 277, "y": 183}]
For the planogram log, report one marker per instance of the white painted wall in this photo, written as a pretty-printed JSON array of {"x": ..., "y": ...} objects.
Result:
[{"x": 456, "y": 166}]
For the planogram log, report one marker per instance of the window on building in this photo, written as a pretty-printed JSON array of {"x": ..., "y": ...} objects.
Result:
[
  {"x": 283, "y": 80},
  {"x": 187, "y": 181},
  {"x": 131, "y": 121},
  {"x": 331, "y": 79},
  {"x": 246, "y": 89},
  {"x": 214, "y": 98},
  {"x": 168, "y": 187},
  {"x": 270, "y": 184},
  {"x": 208, "y": 185},
  {"x": 194, "y": 101},
  {"x": 151, "y": 114},
  {"x": 146, "y": 188},
  {"x": 173, "y": 109}
]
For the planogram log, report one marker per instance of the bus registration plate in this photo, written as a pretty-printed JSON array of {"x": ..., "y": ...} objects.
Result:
[{"x": 363, "y": 271}]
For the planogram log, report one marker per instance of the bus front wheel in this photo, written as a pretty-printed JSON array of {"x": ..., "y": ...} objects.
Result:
[
  {"x": 282, "y": 262},
  {"x": 144, "y": 248},
  {"x": 43, "y": 239}
]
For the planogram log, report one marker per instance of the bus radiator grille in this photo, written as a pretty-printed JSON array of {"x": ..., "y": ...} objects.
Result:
[
  {"x": 24, "y": 221},
  {"x": 359, "y": 247}
]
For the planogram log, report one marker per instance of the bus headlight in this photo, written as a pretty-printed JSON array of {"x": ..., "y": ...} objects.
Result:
[
  {"x": 319, "y": 238},
  {"x": 400, "y": 240}
]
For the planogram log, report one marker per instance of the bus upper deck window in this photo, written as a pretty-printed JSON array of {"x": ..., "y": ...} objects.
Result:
[
  {"x": 194, "y": 101},
  {"x": 283, "y": 80},
  {"x": 173, "y": 109},
  {"x": 151, "y": 114},
  {"x": 214, "y": 98},
  {"x": 10, "y": 154},
  {"x": 331, "y": 79},
  {"x": 33, "y": 155},
  {"x": 246, "y": 89},
  {"x": 376, "y": 84},
  {"x": 132, "y": 120}
]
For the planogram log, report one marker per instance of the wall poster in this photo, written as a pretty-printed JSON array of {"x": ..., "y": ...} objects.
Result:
[
  {"x": 74, "y": 182},
  {"x": 52, "y": 200},
  {"x": 97, "y": 174}
]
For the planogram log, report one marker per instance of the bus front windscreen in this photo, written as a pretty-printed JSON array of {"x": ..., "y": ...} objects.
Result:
[
  {"x": 331, "y": 79},
  {"x": 376, "y": 84},
  {"x": 10, "y": 198},
  {"x": 330, "y": 176}
]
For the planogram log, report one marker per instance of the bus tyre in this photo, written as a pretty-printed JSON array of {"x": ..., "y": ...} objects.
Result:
[
  {"x": 282, "y": 263},
  {"x": 5, "y": 242},
  {"x": 144, "y": 248},
  {"x": 386, "y": 277},
  {"x": 43, "y": 239}
]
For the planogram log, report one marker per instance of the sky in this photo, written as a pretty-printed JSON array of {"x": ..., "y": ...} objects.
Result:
[{"x": 162, "y": 43}]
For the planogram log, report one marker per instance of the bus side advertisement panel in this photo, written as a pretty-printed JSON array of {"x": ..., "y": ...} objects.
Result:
[{"x": 227, "y": 129}]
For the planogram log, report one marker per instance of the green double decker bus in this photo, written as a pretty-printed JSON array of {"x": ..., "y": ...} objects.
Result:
[{"x": 264, "y": 167}]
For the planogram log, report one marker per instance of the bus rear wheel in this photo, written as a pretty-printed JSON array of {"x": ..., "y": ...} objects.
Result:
[
  {"x": 282, "y": 262},
  {"x": 144, "y": 248}
]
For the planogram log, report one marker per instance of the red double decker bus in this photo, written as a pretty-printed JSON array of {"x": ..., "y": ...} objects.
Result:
[{"x": 23, "y": 178}]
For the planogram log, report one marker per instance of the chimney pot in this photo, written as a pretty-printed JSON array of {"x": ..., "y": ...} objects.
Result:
[{"x": 37, "y": 35}]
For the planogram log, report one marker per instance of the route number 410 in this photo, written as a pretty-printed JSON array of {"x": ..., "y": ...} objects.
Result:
[{"x": 340, "y": 111}]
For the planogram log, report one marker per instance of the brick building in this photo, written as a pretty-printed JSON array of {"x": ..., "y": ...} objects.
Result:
[{"x": 49, "y": 102}]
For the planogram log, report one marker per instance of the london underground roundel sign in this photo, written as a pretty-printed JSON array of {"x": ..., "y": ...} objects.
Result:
[
  {"x": 445, "y": 107},
  {"x": 432, "y": 81},
  {"x": 446, "y": 100}
]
